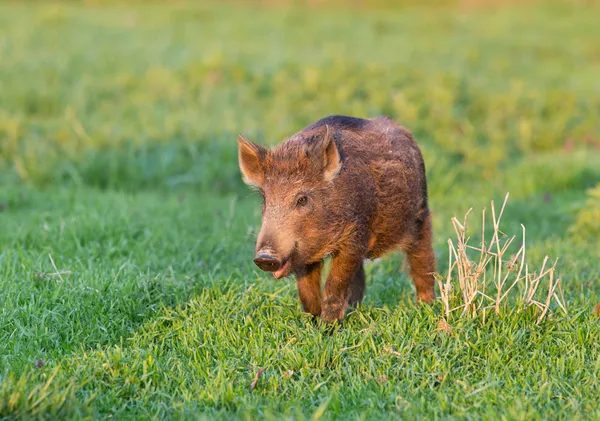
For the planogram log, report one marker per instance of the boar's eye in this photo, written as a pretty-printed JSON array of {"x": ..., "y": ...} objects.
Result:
[{"x": 301, "y": 201}]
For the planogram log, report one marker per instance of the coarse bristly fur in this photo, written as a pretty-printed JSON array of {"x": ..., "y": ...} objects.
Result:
[{"x": 343, "y": 187}]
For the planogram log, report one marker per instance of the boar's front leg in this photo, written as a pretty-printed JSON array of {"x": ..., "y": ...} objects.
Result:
[
  {"x": 309, "y": 287},
  {"x": 344, "y": 267}
]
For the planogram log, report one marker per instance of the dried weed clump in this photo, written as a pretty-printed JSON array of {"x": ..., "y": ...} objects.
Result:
[{"x": 481, "y": 279}]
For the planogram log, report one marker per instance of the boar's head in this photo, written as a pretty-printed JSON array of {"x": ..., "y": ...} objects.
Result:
[{"x": 296, "y": 181}]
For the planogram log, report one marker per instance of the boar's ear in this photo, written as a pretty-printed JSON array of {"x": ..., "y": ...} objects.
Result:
[
  {"x": 332, "y": 159},
  {"x": 251, "y": 156}
]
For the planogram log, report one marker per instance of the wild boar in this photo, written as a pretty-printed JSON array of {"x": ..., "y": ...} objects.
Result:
[{"x": 346, "y": 188}]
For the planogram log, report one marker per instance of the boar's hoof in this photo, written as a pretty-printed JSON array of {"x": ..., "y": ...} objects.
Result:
[
  {"x": 425, "y": 297},
  {"x": 332, "y": 314}
]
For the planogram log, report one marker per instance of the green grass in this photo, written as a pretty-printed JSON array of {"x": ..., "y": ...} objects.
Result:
[{"x": 118, "y": 163}]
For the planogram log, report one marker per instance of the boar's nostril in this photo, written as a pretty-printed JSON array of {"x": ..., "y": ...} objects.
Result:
[{"x": 267, "y": 263}]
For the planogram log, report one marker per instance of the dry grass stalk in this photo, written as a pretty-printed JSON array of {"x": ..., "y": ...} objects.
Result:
[
  {"x": 256, "y": 377},
  {"x": 468, "y": 280}
]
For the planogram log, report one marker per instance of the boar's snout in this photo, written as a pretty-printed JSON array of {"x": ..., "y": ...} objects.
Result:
[{"x": 267, "y": 262}]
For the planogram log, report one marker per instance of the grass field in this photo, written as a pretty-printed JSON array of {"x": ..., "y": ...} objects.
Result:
[{"x": 127, "y": 287}]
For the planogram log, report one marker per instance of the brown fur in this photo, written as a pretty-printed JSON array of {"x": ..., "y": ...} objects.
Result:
[{"x": 346, "y": 188}]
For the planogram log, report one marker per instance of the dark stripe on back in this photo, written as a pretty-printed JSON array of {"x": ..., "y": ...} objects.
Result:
[{"x": 340, "y": 122}]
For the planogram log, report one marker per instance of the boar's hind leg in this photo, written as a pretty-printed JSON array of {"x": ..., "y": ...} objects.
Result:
[
  {"x": 422, "y": 263},
  {"x": 309, "y": 288},
  {"x": 337, "y": 288},
  {"x": 357, "y": 286}
]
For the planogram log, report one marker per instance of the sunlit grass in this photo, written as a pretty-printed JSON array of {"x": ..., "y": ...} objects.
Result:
[{"x": 126, "y": 235}]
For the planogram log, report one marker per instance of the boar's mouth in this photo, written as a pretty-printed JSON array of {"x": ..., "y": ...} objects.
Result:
[
  {"x": 284, "y": 270},
  {"x": 266, "y": 259},
  {"x": 269, "y": 263}
]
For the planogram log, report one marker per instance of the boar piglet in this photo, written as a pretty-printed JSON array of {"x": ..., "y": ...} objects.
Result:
[{"x": 345, "y": 188}]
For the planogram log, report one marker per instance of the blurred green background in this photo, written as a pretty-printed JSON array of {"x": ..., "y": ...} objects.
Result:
[
  {"x": 156, "y": 93},
  {"x": 118, "y": 169}
]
